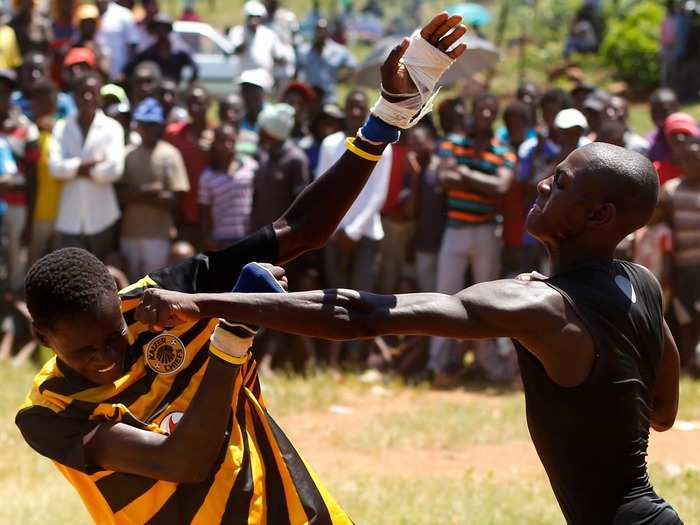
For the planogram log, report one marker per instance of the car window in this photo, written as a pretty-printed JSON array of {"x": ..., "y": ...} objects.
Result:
[{"x": 201, "y": 44}]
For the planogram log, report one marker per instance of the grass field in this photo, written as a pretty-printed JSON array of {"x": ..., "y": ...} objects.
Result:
[{"x": 390, "y": 454}]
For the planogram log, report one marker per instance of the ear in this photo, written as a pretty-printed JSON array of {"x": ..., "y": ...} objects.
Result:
[{"x": 602, "y": 214}]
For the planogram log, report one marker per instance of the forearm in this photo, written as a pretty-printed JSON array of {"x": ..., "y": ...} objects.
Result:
[
  {"x": 201, "y": 431},
  {"x": 339, "y": 314},
  {"x": 486, "y": 184}
]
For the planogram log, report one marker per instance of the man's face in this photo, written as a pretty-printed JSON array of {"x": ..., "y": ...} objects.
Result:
[
  {"x": 231, "y": 109},
  {"x": 677, "y": 143},
  {"x": 94, "y": 344},
  {"x": 563, "y": 201},
  {"x": 87, "y": 96},
  {"x": 253, "y": 22},
  {"x": 32, "y": 71},
  {"x": 517, "y": 129},
  {"x": 145, "y": 84},
  {"x": 298, "y": 102},
  {"x": 690, "y": 159},
  {"x": 356, "y": 111},
  {"x": 420, "y": 141},
  {"x": 88, "y": 27},
  {"x": 485, "y": 113},
  {"x": 162, "y": 32},
  {"x": 568, "y": 138},
  {"x": 660, "y": 112},
  {"x": 224, "y": 145},
  {"x": 43, "y": 104},
  {"x": 320, "y": 32},
  {"x": 150, "y": 133},
  {"x": 550, "y": 110},
  {"x": 452, "y": 117},
  {"x": 594, "y": 118},
  {"x": 253, "y": 97},
  {"x": 168, "y": 93},
  {"x": 198, "y": 104},
  {"x": 269, "y": 143}
]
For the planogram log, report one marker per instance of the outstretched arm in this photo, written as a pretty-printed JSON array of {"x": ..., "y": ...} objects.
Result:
[
  {"x": 316, "y": 213},
  {"x": 529, "y": 311},
  {"x": 665, "y": 406}
]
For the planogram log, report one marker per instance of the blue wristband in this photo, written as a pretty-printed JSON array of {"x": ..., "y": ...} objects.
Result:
[{"x": 376, "y": 130}]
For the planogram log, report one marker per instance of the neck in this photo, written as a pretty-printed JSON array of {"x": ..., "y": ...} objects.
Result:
[
  {"x": 198, "y": 124},
  {"x": 85, "y": 119},
  {"x": 252, "y": 115},
  {"x": 565, "y": 256}
]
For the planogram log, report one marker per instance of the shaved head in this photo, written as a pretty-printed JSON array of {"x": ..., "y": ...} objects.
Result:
[{"x": 624, "y": 178}]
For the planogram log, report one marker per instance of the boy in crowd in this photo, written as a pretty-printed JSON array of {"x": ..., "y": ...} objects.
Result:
[
  {"x": 226, "y": 191},
  {"x": 154, "y": 178},
  {"x": 48, "y": 189},
  {"x": 679, "y": 207}
]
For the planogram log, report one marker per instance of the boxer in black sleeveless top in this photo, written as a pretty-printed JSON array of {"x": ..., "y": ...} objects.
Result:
[{"x": 598, "y": 363}]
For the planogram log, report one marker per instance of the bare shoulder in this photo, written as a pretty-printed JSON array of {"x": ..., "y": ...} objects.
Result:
[{"x": 524, "y": 306}]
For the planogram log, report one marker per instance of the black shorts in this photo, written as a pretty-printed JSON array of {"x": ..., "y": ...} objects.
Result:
[{"x": 647, "y": 510}]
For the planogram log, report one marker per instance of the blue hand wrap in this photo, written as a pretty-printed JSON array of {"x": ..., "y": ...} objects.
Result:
[
  {"x": 376, "y": 130},
  {"x": 254, "y": 278}
]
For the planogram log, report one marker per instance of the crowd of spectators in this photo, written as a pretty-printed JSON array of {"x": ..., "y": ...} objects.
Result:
[{"x": 109, "y": 143}]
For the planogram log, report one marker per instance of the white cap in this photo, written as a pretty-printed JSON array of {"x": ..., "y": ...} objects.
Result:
[
  {"x": 258, "y": 77},
  {"x": 254, "y": 8},
  {"x": 277, "y": 120},
  {"x": 570, "y": 118}
]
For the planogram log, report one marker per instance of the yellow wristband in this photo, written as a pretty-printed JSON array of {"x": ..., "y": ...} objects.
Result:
[
  {"x": 350, "y": 145},
  {"x": 238, "y": 361}
]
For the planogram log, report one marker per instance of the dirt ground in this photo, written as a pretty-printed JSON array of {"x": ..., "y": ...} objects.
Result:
[{"x": 314, "y": 432}]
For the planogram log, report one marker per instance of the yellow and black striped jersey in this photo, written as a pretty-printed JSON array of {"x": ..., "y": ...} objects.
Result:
[{"x": 258, "y": 477}]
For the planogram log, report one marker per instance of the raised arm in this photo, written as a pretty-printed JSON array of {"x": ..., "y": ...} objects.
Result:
[{"x": 315, "y": 214}]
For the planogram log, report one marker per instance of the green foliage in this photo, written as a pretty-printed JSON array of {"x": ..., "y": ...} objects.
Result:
[{"x": 631, "y": 46}]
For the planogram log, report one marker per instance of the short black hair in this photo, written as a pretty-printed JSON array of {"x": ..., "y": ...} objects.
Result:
[
  {"x": 556, "y": 95},
  {"x": 517, "y": 109},
  {"x": 66, "y": 282},
  {"x": 628, "y": 179},
  {"x": 663, "y": 96}
]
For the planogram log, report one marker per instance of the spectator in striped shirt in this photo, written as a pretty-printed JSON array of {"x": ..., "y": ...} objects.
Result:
[
  {"x": 226, "y": 191},
  {"x": 475, "y": 170}
]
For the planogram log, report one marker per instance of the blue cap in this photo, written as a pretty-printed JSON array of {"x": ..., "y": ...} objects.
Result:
[{"x": 149, "y": 111}]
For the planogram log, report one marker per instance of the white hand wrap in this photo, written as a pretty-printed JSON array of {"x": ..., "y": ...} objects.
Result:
[{"x": 425, "y": 64}]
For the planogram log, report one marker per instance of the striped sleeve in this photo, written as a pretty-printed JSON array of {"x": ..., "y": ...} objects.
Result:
[{"x": 54, "y": 436}]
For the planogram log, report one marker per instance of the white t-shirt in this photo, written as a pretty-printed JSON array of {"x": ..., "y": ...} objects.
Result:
[
  {"x": 117, "y": 32},
  {"x": 363, "y": 219}
]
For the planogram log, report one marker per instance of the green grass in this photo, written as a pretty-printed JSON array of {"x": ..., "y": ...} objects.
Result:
[{"x": 33, "y": 492}]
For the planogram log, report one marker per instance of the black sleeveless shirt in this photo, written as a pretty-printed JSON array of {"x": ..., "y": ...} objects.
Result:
[{"x": 592, "y": 438}]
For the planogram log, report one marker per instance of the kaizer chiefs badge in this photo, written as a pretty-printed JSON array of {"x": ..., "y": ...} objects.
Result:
[{"x": 165, "y": 354}]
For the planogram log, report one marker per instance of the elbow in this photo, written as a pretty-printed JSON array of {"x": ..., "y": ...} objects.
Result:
[{"x": 662, "y": 424}]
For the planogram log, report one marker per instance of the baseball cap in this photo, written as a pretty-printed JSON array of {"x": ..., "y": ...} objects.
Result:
[
  {"x": 257, "y": 77},
  {"x": 300, "y": 87},
  {"x": 149, "y": 111},
  {"x": 79, "y": 55},
  {"x": 333, "y": 111},
  {"x": 277, "y": 120},
  {"x": 116, "y": 92},
  {"x": 86, "y": 12},
  {"x": 254, "y": 9},
  {"x": 680, "y": 123},
  {"x": 570, "y": 118},
  {"x": 597, "y": 101}
]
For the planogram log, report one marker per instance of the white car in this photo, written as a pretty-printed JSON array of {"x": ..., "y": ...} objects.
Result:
[{"x": 213, "y": 54}]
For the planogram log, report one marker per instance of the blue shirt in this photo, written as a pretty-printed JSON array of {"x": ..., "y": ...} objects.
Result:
[
  {"x": 321, "y": 70},
  {"x": 65, "y": 105}
]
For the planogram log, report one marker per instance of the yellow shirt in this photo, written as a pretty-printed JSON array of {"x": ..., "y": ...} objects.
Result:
[
  {"x": 259, "y": 476},
  {"x": 48, "y": 189},
  {"x": 10, "y": 56}
]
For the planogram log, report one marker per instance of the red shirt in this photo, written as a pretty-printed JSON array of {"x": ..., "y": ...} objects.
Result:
[
  {"x": 196, "y": 160},
  {"x": 397, "y": 175},
  {"x": 512, "y": 209},
  {"x": 667, "y": 170}
]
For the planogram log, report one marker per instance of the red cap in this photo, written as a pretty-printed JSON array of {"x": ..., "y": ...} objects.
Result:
[
  {"x": 680, "y": 123},
  {"x": 301, "y": 87},
  {"x": 79, "y": 55}
]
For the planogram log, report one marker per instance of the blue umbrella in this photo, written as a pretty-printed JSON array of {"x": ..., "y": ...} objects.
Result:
[{"x": 474, "y": 15}]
